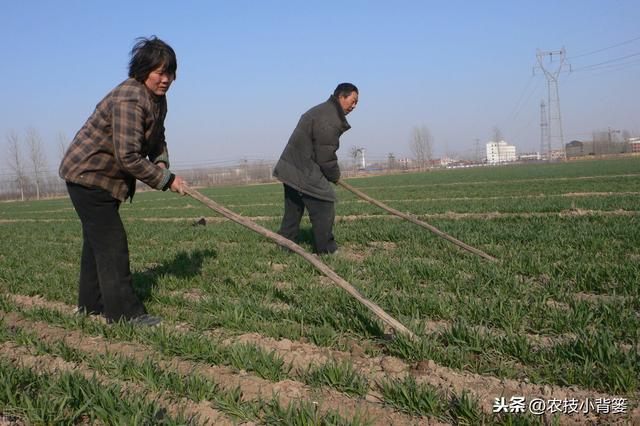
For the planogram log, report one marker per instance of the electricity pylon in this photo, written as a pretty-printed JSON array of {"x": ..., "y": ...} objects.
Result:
[
  {"x": 545, "y": 60},
  {"x": 545, "y": 146}
]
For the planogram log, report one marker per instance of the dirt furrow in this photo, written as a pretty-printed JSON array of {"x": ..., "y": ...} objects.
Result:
[
  {"x": 499, "y": 182},
  {"x": 349, "y": 218},
  {"x": 384, "y": 200},
  {"x": 484, "y": 388},
  {"x": 51, "y": 364},
  {"x": 434, "y": 327},
  {"x": 285, "y": 391},
  {"x": 403, "y": 200}
]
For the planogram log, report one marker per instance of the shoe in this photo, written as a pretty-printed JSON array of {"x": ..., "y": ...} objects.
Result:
[
  {"x": 332, "y": 252},
  {"x": 145, "y": 320}
]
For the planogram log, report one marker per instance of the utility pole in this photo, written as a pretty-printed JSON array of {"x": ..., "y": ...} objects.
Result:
[
  {"x": 556, "y": 136},
  {"x": 612, "y": 131},
  {"x": 610, "y": 149},
  {"x": 545, "y": 143},
  {"x": 477, "y": 151}
]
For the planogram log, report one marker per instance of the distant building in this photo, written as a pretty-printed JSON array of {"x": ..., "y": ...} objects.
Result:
[
  {"x": 634, "y": 144},
  {"x": 599, "y": 147},
  {"x": 558, "y": 154},
  {"x": 578, "y": 149},
  {"x": 404, "y": 163},
  {"x": 500, "y": 152},
  {"x": 530, "y": 156},
  {"x": 445, "y": 161}
]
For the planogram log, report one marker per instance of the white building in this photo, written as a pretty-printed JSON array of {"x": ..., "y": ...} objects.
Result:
[
  {"x": 500, "y": 152},
  {"x": 530, "y": 156}
]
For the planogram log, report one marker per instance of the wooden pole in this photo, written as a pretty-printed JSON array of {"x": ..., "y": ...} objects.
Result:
[
  {"x": 413, "y": 219},
  {"x": 314, "y": 260}
]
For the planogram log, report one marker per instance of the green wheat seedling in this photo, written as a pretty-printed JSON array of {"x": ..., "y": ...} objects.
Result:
[
  {"x": 522, "y": 419},
  {"x": 411, "y": 397},
  {"x": 232, "y": 403},
  {"x": 268, "y": 365},
  {"x": 68, "y": 398},
  {"x": 545, "y": 367},
  {"x": 568, "y": 236},
  {"x": 306, "y": 413},
  {"x": 194, "y": 387},
  {"x": 338, "y": 375},
  {"x": 150, "y": 374},
  {"x": 26, "y": 338},
  {"x": 464, "y": 410},
  {"x": 617, "y": 370},
  {"x": 411, "y": 349},
  {"x": 265, "y": 364}
]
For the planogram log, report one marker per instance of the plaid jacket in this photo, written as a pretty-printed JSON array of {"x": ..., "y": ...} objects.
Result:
[{"x": 110, "y": 151}]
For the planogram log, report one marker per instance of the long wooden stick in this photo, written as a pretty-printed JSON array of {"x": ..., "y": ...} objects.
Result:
[
  {"x": 417, "y": 221},
  {"x": 377, "y": 310}
]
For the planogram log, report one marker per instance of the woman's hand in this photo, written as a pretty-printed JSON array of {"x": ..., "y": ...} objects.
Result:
[{"x": 178, "y": 185}]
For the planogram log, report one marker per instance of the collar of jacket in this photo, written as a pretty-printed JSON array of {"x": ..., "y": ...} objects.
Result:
[
  {"x": 155, "y": 98},
  {"x": 343, "y": 118},
  {"x": 152, "y": 96}
]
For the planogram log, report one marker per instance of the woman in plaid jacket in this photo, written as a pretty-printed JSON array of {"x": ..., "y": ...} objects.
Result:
[{"x": 123, "y": 140}]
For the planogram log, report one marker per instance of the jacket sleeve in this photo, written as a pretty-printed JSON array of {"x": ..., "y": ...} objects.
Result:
[
  {"x": 326, "y": 141},
  {"x": 160, "y": 153},
  {"x": 128, "y": 135}
]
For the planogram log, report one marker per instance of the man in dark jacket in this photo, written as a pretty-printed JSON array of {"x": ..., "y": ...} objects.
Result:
[{"x": 309, "y": 162}]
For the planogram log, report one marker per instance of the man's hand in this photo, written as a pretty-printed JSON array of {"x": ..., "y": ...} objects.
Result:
[
  {"x": 178, "y": 185},
  {"x": 162, "y": 165}
]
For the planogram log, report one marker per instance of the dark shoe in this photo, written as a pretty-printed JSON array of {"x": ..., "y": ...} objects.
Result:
[
  {"x": 145, "y": 320},
  {"x": 202, "y": 222},
  {"x": 328, "y": 252}
]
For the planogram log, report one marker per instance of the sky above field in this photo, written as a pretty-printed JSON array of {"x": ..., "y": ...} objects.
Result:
[{"x": 247, "y": 70}]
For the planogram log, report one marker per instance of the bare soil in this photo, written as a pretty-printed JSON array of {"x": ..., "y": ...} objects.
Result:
[
  {"x": 448, "y": 215},
  {"x": 302, "y": 355},
  {"x": 252, "y": 387},
  {"x": 50, "y": 364}
]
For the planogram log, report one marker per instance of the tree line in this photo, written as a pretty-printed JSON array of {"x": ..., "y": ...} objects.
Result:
[{"x": 29, "y": 169}]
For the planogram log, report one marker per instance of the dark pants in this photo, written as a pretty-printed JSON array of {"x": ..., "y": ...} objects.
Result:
[
  {"x": 105, "y": 277},
  {"x": 321, "y": 214}
]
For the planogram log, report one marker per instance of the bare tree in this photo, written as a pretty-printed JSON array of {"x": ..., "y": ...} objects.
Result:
[
  {"x": 497, "y": 134},
  {"x": 63, "y": 144},
  {"x": 421, "y": 145},
  {"x": 497, "y": 137},
  {"x": 15, "y": 162},
  {"x": 626, "y": 135},
  {"x": 37, "y": 157},
  {"x": 354, "y": 153}
]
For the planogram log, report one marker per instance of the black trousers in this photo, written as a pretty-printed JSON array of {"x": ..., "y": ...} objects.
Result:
[
  {"x": 322, "y": 214},
  {"x": 105, "y": 277}
]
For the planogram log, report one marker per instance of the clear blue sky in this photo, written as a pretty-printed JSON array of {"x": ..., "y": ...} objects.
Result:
[{"x": 247, "y": 70}]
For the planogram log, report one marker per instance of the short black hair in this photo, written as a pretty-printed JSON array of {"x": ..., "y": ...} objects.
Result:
[
  {"x": 148, "y": 54},
  {"x": 345, "y": 89}
]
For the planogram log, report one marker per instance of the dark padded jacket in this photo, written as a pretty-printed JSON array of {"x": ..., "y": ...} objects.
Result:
[{"x": 309, "y": 161}]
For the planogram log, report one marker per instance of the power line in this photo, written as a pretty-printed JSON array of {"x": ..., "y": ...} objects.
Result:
[
  {"x": 606, "y": 48},
  {"x": 520, "y": 98},
  {"x": 587, "y": 67},
  {"x": 526, "y": 101},
  {"x": 606, "y": 69}
]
